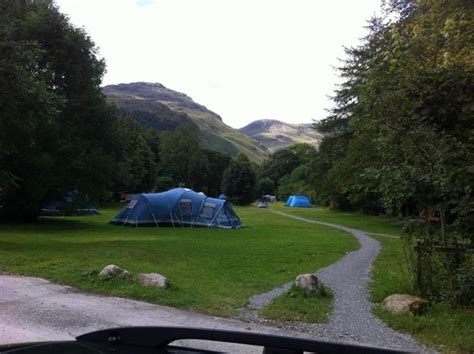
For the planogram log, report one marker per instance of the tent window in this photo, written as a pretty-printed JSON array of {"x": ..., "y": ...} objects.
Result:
[
  {"x": 186, "y": 207},
  {"x": 132, "y": 204},
  {"x": 207, "y": 211}
]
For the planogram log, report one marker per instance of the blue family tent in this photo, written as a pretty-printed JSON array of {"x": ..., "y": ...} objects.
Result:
[
  {"x": 298, "y": 201},
  {"x": 178, "y": 207}
]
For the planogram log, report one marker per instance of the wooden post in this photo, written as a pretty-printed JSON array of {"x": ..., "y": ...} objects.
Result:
[{"x": 419, "y": 270}]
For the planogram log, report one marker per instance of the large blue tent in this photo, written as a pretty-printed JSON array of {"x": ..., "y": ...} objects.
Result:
[
  {"x": 178, "y": 207},
  {"x": 298, "y": 201}
]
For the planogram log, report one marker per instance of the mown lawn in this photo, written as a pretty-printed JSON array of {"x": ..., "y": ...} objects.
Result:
[
  {"x": 371, "y": 224},
  {"x": 446, "y": 329},
  {"x": 211, "y": 270}
]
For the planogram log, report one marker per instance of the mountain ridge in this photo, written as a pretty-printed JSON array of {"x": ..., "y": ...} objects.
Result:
[
  {"x": 275, "y": 134},
  {"x": 141, "y": 100}
]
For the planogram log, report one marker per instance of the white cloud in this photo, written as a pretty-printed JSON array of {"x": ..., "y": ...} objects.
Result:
[{"x": 245, "y": 60}]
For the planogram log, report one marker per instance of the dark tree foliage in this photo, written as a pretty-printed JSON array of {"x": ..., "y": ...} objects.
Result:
[
  {"x": 215, "y": 165},
  {"x": 181, "y": 157},
  {"x": 265, "y": 186},
  {"x": 56, "y": 131},
  {"x": 401, "y": 135},
  {"x": 297, "y": 182},
  {"x": 238, "y": 182},
  {"x": 138, "y": 166},
  {"x": 279, "y": 164}
]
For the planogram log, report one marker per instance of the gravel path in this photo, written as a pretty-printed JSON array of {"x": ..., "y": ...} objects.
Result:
[
  {"x": 352, "y": 318},
  {"x": 34, "y": 309}
]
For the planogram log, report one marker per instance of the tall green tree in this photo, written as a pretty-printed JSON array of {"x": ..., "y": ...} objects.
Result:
[
  {"x": 239, "y": 180},
  {"x": 215, "y": 165},
  {"x": 401, "y": 133},
  {"x": 56, "y": 131},
  {"x": 181, "y": 156},
  {"x": 138, "y": 168}
]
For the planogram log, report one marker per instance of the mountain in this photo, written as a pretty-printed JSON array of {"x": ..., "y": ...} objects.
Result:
[
  {"x": 154, "y": 105},
  {"x": 275, "y": 135}
]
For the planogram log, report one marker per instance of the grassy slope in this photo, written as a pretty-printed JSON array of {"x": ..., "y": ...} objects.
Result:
[
  {"x": 447, "y": 329},
  {"x": 211, "y": 270},
  {"x": 220, "y": 136}
]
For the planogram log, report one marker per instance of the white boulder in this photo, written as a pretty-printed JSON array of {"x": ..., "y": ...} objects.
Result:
[
  {"x": 309, "y": 282},
  {"x": 403, "y": 303},
  {"x": 153, "y": 279},
  {"x": 114, "y": 271}
]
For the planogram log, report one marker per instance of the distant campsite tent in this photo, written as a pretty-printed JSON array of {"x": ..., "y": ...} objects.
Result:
[
  {"x": 262, "y": 203},
  {"x": 270, "y": 198},
  {"x": 298, "y": 201},
  {"x": 73, "y": 204},
  {"x": 178, "y": 207}
]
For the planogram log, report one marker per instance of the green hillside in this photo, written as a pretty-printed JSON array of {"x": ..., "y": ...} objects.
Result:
[{"x": 144, "y": 103}]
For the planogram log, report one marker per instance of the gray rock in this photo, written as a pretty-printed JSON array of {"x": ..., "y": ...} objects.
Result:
[
  {"x": 308, "y": 282},
  {"x": 114, "y": 271},
  {"x": 403, "y": 303},
  {"x": 153, "y": 279}
]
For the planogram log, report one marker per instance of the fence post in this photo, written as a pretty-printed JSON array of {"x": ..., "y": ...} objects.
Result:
[{"x": 419, "y": 269}]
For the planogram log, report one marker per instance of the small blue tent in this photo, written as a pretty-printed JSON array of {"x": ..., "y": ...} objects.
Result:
[
  {"x": 178, "y": 207},
  {"x": 298, "y": 201},
  {"x": 73, "y": 204}
]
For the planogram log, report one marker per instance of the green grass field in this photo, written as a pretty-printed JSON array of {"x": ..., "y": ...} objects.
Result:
[
  {"x": 216, "y": 271},
  {"x": 448, "y": 330},
  {"x": 211, "y": 270},
  {"x": 371, "y": 224}
]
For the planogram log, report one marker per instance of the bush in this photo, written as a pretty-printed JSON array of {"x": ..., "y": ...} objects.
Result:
[
  {"x": 442, "y": 277},
  {"x": 163, "y": 183}
]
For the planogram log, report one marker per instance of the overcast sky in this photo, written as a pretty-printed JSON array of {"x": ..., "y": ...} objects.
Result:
[{"x": 245, "y": 60}]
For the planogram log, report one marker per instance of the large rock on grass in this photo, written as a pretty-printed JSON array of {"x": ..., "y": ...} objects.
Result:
[
  {"x": 309, "y": 282},
  {"x": 112, "y": 271},
  {"x": 403, "y": 303},
  {"x": 153, "y": 279}
]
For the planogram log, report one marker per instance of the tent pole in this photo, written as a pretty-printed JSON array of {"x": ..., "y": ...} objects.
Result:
[
  {"x": 126, "y": 220},
  {"x": 152, "y": 213},
  {"x": 199, "y": 211},
  {"x": 171, "y": 215},
  {"x": 217, "y": 213}
]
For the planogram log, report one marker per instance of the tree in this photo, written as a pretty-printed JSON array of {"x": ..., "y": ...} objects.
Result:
[
  {"x": 215, "y": 165},
  {"x": 265, "y": 186},
  {"x": 296, "y": 183},
  {"x": 400, "y": 134},
  {"x": 56, "y": 131},
  {"x": 238, "y": 182},
  {"x": 278, "y": 164},
  {"x": 181, "y": 156},
  {"x": 138, "y": 167}
]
